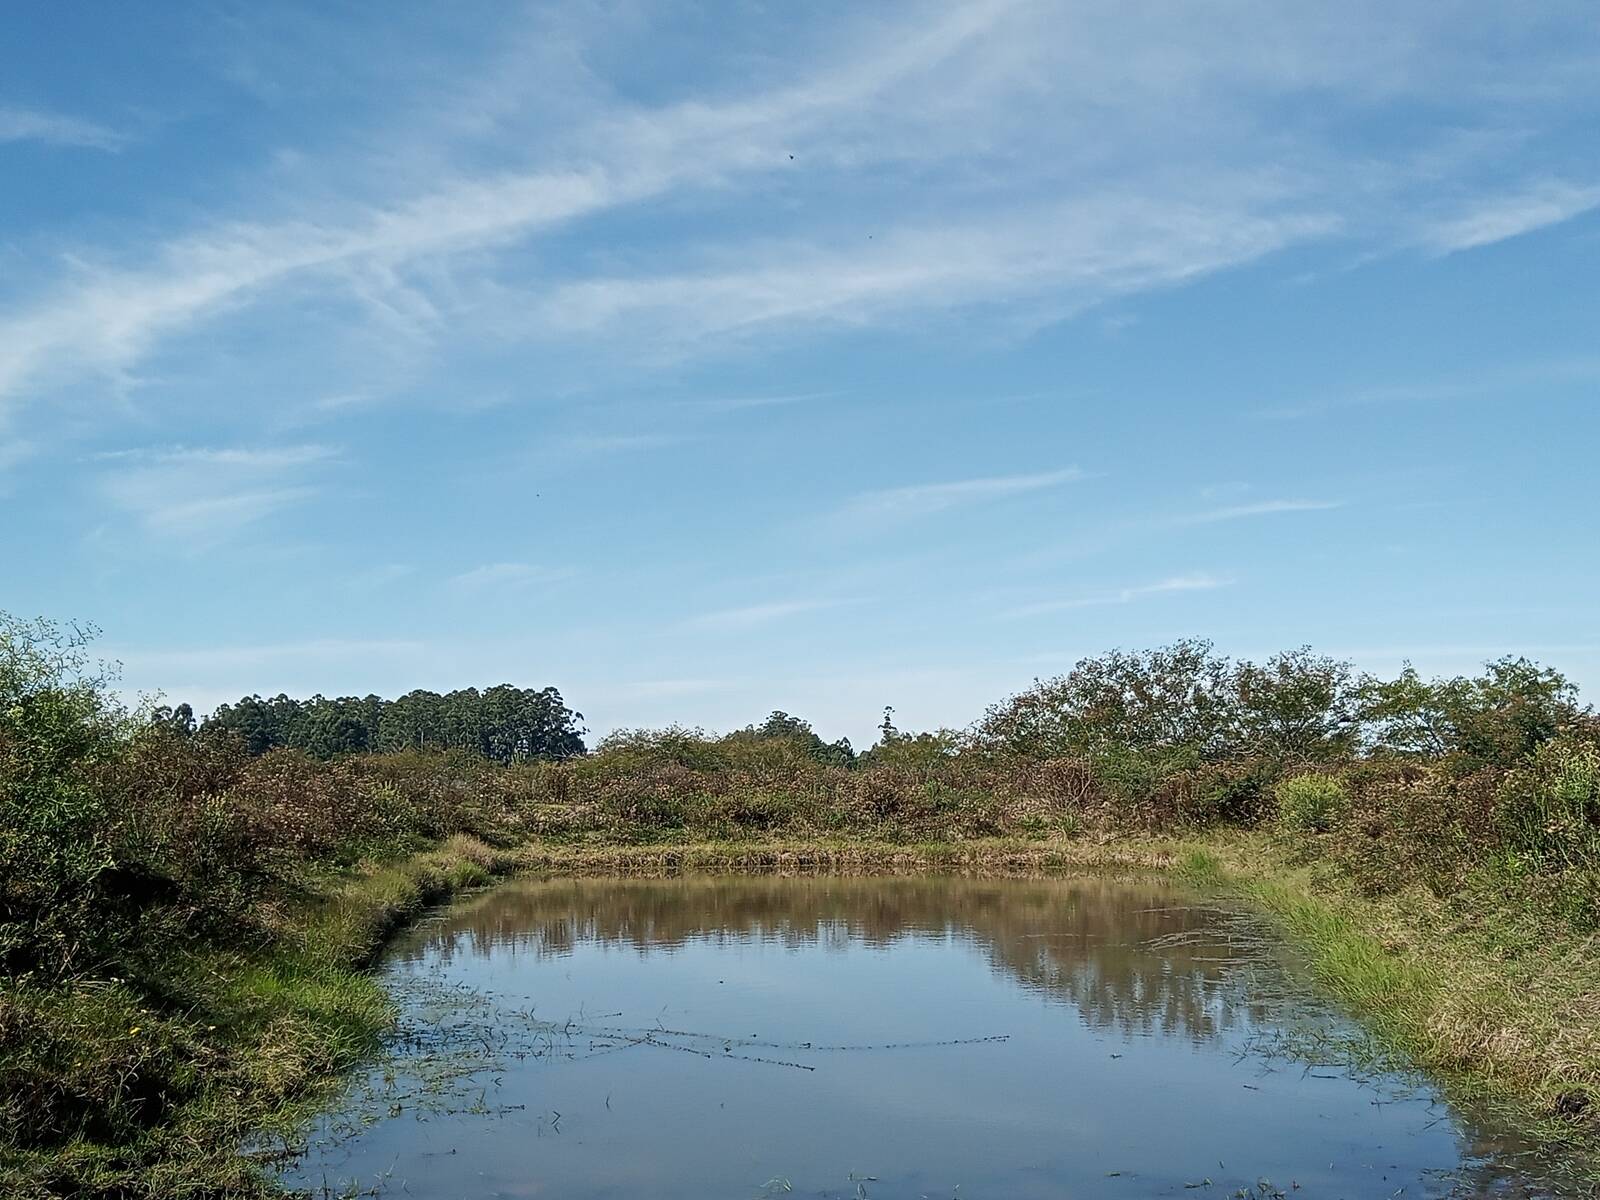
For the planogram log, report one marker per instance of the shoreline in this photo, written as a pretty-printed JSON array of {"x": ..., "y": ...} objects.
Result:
[{"x": 1428, "y": 989}]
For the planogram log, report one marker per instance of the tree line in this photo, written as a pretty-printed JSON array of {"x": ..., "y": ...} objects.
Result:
[
  {"x": 1187, "y": 702},
  {"x": 1182, "y": 702},
  {"x": 503, "y": 724}
]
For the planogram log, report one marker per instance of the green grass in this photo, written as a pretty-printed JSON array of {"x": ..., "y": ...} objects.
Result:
[
  {"x": 159, "y": 1101},
  {"x": 1500, "y": 1004}
]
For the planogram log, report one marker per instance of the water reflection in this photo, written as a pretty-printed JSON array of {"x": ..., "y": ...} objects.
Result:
[
  {"x": 1132, "y": 956},
  {"x": 872, "y": 1037}
]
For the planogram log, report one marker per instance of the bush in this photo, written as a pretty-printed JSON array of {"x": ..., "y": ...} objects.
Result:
[
  {"x": 1550, "y": 808},
  {"x": 1418, "y": 825},
  {"x": 57, "y": 730},
  {"x": 1311, "y": 803}
]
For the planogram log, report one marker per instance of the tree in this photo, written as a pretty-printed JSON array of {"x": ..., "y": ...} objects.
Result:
[
  {"x": 503, "y": 723},
  {"x": 1299, "y": 705},
  {"x": 781, "y": 727},
  {"x": 1497, "y": 718},
  {"x": 1176, "y": 698},
  {"x": 178, "y": 721}
]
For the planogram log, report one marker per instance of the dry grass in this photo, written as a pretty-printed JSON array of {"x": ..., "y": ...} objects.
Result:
[{"x": 990, "y": 856}]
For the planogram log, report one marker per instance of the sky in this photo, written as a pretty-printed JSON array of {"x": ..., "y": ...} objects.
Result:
[{"x": 706, "y": 360}]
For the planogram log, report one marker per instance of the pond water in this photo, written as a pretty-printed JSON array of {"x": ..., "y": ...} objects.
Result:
[{"x": 947, "y": 1038}]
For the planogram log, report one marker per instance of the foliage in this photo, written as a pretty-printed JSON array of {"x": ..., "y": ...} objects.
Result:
[
  {"x": 1174, "y": 698},
  {"x": 1184, "y": 700},
  {"x": 503, "y": 724},
  {"x": 1495, "y": 719},
  {"x": 781, "y": 727},
  {"x": 1311, "y": 803},
  {"x": 1550, "y": 806},
  {"x": 1297, "y": 707},
  {"x": 57, "y": 730}
]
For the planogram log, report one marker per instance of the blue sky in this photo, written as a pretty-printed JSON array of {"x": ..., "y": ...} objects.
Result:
[{"x": 706, "y": 360}]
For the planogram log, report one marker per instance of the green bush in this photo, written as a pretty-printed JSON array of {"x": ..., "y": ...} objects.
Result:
[
  {"x": 1550, "y": 807},
  {"x": 57, "y": 732},
  {"x": 1311, "y": 803}
]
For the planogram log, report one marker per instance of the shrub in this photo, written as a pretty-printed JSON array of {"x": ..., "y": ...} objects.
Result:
[
  {"x": 1408, "y": 825},
  {"x": 1550, "y": 807},
  {"x": 57, "y": 730},
  {"x": 1311, "y": 803}
]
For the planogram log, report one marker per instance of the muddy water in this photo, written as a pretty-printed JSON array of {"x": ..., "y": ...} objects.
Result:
[{"x": 876, "y": 1037}]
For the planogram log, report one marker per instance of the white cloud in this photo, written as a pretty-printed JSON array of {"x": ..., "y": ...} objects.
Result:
[
  {"x": 502, "y": 576},
  {"x": 892, "y": 505},
  {"x": 616, "y": 443},
  {"x": 208, "y": 661},
  {"x": 1496, "y": 218},
  {"x": 110, "y": 317},
  {"x": 1524, "y": 382},
  {"x": 200, "y": 495},
  {"x": 1199, "y": 582},
  {"x": 755, "y": 615},
  {"x": 1018, "y": 162},
  {"x": 1263, "y": 508},
  {"x": 1078, "y": 254},
  {"x": 730, "y": 404},
  {"x": 56, "y": 129}
]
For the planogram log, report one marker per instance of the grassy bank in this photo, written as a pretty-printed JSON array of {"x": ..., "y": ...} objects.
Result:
[
  {"x": 1497, "y": 1000},
  {"x": 134, "y": 1097},
  {"x": 990, "y": 857}
]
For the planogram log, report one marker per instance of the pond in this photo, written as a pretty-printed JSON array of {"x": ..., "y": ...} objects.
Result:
[{"x": 895, "y": 1037}]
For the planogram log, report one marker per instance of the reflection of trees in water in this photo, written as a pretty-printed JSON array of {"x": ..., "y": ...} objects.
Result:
[
  {"x": 1138, "y": 958},
  {"x": 1135, "y": 957}
]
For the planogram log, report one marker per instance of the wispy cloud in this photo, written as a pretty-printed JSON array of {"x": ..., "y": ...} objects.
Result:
[
  {"x": 1262, "y": 508},
  {"x": 893, "y": 505},
  {"x": 109, "y": 318},
  {"x": 56, "y": 129},
  {"x": 616, "y": 443},
  {"x": 207, "y": 660},
  {"x": 730, "y": 404},
  {"x": 1120, "y": 534},
  {"x": 1496, "y": 218},
  {"x": 755, "y": 615},
  {"x": 203, "y": 495},
  {"x": 1524, "y": 382},
  {"x": 1027, "y": 206},
  {"x": 1079, "y": 253},
  {"x": 503, "y": 576},
  {"x": 1199, "y": 582}
]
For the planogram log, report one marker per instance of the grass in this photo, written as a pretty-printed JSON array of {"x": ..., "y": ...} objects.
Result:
[
  {"x": 160, "y": 1102},
  {"x": 1499, "y": 1004},
  {"x": 988, "y": 856}
]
